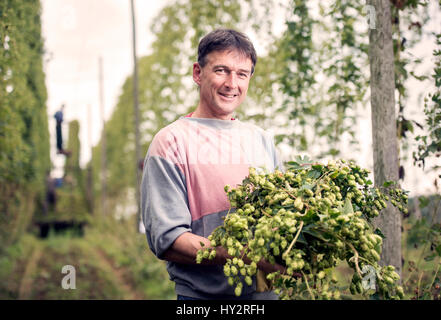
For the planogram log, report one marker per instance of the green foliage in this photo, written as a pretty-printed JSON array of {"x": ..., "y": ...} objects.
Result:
[
  {"x": 430, "y": 144},
  {"x": 72, "y": 166},
  {"x": 24, "y": 136},
  {"x": 425, "y": 234},
  {"x": 71, "y": 201},
  {"x": 408, "y": 20},
  {"x": 317, "y": 67},
  {"x": 422, "y": 251},
  {"x": 11, "y": 270},
  {"x": 315, "y": 76},
  {"x": 297, "y": 78},
  {"x": 108, "y": 265},
  {"x": 147, "y": 274},
  {"x": 307, "y": 219}
]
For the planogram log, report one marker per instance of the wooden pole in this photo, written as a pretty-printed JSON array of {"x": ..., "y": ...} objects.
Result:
[
  {"x": 384, "y": 129},
  {"x": 103, "y": 141},
  {"x": 90, "y": 198},
  {"x": 136, "y": 119}
]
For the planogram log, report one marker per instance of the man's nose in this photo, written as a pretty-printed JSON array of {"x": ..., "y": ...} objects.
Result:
[{"x": 231, "y": 81}]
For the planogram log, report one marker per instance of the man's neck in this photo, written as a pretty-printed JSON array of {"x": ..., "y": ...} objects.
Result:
[{"x": 200, "y": 113}]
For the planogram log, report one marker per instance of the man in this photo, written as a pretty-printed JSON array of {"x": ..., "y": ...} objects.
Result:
[
  {"x": 191, "y": 160},
  {"x": 59, "y": 133},
  {"x": 59, "y": 120}
]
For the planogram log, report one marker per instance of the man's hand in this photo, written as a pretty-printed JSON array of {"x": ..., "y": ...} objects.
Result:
[
  {"x": 267, "y": 267},
  {"x": 186, "y": 246}
]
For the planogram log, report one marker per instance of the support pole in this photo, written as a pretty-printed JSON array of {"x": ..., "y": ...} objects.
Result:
[
  {"x": 103, "y": 142},
  {"x": 90, "y": 198},
  {"x": 136, "y": 116}
]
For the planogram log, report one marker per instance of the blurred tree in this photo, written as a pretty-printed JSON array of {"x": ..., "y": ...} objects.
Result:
[
  {"x": 385, "y": 144},
  {"x": 70, "y": 208},
  {"x": 312, "y": 86},
  {"x": 72, "y": 166},
  {"x": 24, "y": 135},
  {"x": 313, "y": 77},
  {"x": 430, "y": 144}
]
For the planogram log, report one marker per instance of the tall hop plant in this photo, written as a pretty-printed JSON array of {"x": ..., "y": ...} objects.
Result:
[{"x": 308, "y": 219}]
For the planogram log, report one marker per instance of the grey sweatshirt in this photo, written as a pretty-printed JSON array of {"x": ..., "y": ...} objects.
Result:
[{"x": 185, "y": 170}]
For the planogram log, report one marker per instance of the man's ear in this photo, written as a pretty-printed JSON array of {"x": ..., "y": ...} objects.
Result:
[{"x": 197, "y": 73}]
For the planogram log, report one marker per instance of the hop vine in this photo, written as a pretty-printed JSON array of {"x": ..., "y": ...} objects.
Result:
[{"x": 308, "y": 219}]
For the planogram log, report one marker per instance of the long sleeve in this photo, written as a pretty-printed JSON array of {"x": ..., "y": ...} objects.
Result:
[{"x": 164, "y": 203}]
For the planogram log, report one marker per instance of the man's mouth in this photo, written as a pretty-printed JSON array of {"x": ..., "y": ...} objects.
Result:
[{"x": 228, "y": 96}]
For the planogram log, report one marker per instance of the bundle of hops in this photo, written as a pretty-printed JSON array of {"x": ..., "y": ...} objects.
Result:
[{"x": 308, "y": 219}]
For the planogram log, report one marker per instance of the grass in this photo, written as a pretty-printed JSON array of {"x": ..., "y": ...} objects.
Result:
[
  {"x": 420, "y": 277},
  {"x": 111, "y": 261}
]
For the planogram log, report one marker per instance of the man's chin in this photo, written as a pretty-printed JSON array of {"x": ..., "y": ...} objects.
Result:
[
  {"x": 227, "y": 112},
  {"x": 228, "y": 107}
]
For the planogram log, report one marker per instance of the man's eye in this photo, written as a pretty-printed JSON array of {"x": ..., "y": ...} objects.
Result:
[
  {"x": 243, "y": 75},
  {"x": 220, "y": 70}
]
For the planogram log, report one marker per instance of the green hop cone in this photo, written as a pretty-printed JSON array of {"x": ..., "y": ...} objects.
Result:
[
  {"x": 298, "y": 204},
  {"x": 234, "y": 270},
  {"x": 400, "y": 292},
  {"x": 227, "y": 270},
  {"x": 353, "y": 289},
  {"x": 238, "y": 291},
  {"x": 212, "y": 255}
]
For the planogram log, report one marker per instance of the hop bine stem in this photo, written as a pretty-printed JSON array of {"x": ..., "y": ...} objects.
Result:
[
  {"x": 289, "y": 193},
  {"x": 355, "y": 257},
  {"x": 294, "y": 240},
  {"x": 307, "y": 286},
  {"x": 436, "y": 273},
  {"x": 263, "y": 211}
]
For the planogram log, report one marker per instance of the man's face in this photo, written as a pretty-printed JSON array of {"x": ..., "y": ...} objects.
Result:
[{"x": 223, "y": 82}]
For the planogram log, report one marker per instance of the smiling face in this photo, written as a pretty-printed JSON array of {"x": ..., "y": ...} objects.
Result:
[{"x": 223, "y": 83}]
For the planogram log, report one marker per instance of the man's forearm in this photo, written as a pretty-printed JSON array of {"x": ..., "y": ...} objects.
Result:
[{"x": 186, "y": 246}]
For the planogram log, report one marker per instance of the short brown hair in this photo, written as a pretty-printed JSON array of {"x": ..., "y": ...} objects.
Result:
[{"x": 224, "y": 39}]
